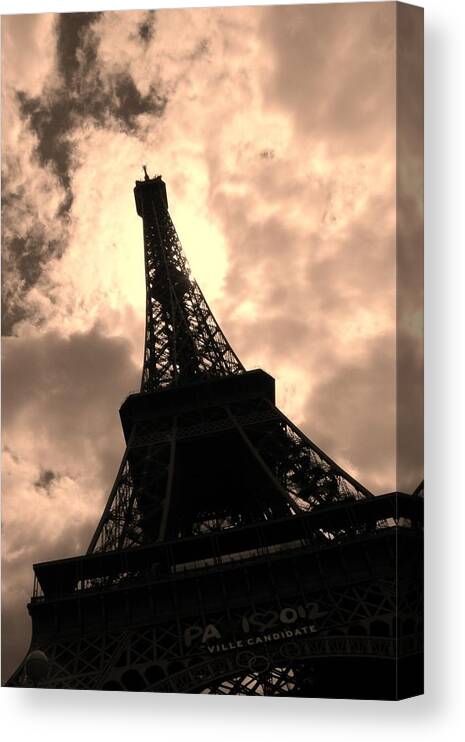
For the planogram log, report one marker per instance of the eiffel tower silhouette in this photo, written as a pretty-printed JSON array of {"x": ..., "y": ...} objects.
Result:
[{"x": 233, "y": 555}]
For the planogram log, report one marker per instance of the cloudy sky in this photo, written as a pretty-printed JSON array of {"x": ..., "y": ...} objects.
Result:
[{"x": 274, "y": 129}]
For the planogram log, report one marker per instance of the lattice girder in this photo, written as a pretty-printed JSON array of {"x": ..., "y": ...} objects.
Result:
[
  {"x": 183, "y": 341},
  {"x": 286, "y": 474},
  {"x": 357, "y": 620}
]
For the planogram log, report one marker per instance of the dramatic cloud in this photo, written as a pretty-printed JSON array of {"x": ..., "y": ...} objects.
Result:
[
  {"x": 77, "y": 94},
  {"x": 274, "y": 129},
  {"x": 331, "y": 69},
  {"x": 62, "y": 448}
]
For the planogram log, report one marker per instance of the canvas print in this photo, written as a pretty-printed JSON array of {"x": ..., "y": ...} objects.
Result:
[{"x": 212, "y": 223}]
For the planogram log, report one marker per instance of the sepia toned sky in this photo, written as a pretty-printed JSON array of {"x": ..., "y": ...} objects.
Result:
[{"x": 274, "y": 130}]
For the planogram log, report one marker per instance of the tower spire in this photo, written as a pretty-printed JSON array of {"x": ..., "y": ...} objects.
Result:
[{"x": 183, "y": 341}]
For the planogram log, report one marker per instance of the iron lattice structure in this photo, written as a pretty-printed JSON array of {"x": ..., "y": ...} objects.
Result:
[
  {"x": 169, "y": 487},
  {"x": 183, "y": 341},
  {"x": 233, "y": 555},
  {"x": 282, "y": 471}
]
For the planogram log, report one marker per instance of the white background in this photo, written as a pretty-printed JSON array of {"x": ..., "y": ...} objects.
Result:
[{"x": 54, "y": 715}]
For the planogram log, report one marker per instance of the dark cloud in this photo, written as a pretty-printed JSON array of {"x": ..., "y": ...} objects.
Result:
[
  {"x": 28, "y": 245},
  {"x": 47, "y": 476},
  {"x": 329, "y": 70},
  {"x": 62, "y": 432},
  {"x": 202, "y": 49},
  {"x": 51, "y": 121},
  {"x": 410, "y": 412},
  {"x": 54, "y": 114},
  {"x": 409, "y": 224},
  {"x": 69, "y": 388},
  {"x": 82, "y": 93},
  {"x": 266, "y": 336},
  {"x": 71, "y": 30},
  {"x": 127, "y": 103},
  {"x": 350, "y": 413},
  {"x": 86, "y": 94},
  {"x": 86, "y": 376},
  {"x": 146, "y": 29}
]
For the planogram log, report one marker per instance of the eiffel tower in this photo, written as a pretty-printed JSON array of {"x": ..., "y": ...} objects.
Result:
[{"x": 233, "y": 555}]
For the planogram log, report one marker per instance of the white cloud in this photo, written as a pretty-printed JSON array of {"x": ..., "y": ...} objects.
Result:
[{"x": 28, "y": 51}]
